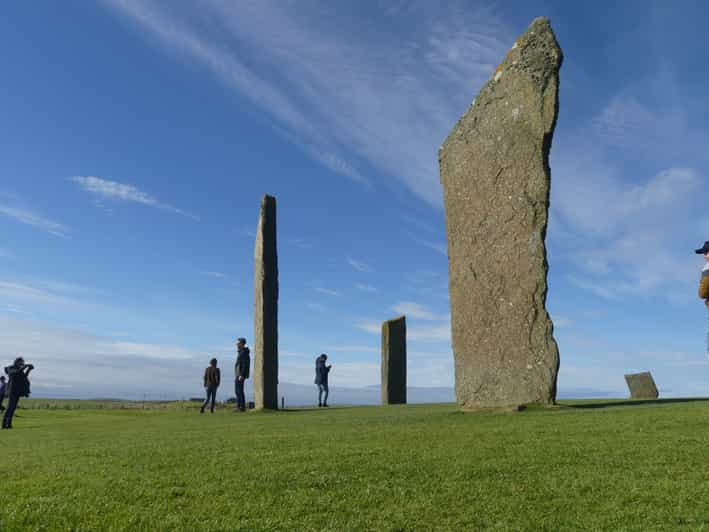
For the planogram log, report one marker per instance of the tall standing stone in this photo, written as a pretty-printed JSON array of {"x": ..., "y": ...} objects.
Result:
[
  {"x": 642, "y": 386},
  {"x": 496, "y": 178},
  {"x": 394, "y": 361},
  {"x": 266, "y": 308}
]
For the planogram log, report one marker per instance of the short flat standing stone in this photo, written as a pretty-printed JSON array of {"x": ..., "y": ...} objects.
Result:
[
  {"x": 496, "y": 180},
  {"x": 642, "y": 386},
  {"x": 266, "y": 308},
  {"x": 394, "y": 361}
]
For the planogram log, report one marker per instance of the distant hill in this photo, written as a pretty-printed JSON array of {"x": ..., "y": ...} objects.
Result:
[{"x": 299, "y": 394}]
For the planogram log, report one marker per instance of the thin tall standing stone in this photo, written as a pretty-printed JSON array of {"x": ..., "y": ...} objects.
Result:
[
  {"x": 394, "y": 361},
  {"x": 496, "y": 179},
  {"x": 266, "y": 308}
]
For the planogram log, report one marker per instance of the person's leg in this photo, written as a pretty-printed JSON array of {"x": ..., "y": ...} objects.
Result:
[
  {"x": 214, "y": 399},
  {"x": 206, "y": 402},
  {"x": 320, "y": 390},
  {"x": 241, "y": 396},
  {"x": 327, "y": 393},
  {"x": 2, "y": 398},
  {"x": 11, "y": 406}
]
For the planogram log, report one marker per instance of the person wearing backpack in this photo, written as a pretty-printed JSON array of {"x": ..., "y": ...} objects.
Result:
[{"x": 18, "y": 386}]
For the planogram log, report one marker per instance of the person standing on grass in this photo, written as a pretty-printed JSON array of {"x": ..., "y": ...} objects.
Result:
[
  {"x": 704, "y": 280},
  {"x": 18, "y": 386},
  {"x": 212, "y": 378},
  {"x": 2, "y": 392},
  {"x": 241, "y": 372},
  {"x": 321, "y": 379}
]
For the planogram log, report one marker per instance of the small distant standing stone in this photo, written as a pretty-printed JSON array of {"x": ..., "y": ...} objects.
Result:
[
  {"x": 394, "y": 361},
  {"x": 266, "y": 308},
  {"x": 642, "y": 386},
  {"x": 496, "y": 181}
]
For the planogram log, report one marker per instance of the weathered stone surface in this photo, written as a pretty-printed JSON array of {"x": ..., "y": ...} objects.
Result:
[
  {"x": 642, "y": 386},
  {"x": 394, "y": 361},
  {"x": 496, "y": 178},
  {"x": 266, "y": 308}
]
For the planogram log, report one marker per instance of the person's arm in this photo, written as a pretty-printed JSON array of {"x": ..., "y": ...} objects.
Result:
[
  {"x": 27, "y": 369},
  {"x": 206, "y": 377},
  {"x": 246, "y": 368},
  {"x": 219, "y": 377}
]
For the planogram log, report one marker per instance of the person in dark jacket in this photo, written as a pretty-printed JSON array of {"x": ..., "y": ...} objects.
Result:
[
  {"x": 321, "y": 377},
  {"x": 2, "y": 392},
  {"x": 241, "y": 372},
  {"x": 212, "y": 378},
  {"x": 18, "y": 386}
]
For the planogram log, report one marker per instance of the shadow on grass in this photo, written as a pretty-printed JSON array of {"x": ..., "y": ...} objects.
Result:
[{"x": 635, "y": 402}]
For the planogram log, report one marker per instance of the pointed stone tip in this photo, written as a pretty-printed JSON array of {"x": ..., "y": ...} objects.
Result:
[
  {"x": 540, "y": 21},
  {"x": 541, "y": 26}
]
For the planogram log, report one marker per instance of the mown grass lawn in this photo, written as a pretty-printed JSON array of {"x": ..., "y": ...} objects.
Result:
[{"x": 429, "y": 467}]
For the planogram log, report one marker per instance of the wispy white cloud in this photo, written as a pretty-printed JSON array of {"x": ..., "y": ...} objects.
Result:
[
  {"x": 561, "y": 321},
  {"x": 434, "y": 333},
  {"x": 367, "y": 90},
  {"x": 418, "y": 223},
  {"x": 216, "y": 275},
  {"x": 417, "y": 311},
  {"x": 437, "y": 246},
  {"x": 82, "y": 363},
  {"x": 21, "y": 292},
  {"x": 317, "y": 307},
  {"x": 624, "y": 120},
  {"x": 301, "y": 243},
  {"x": 414, "y": 332},
  {"x": 354, "y": 349},
  {"x": 627, "y": 238},
  {"x": 369, "y": 326},
  {"x": 359, "y": 265},
  {"x": 366, "y": 288},
  {"x": 33, "y": 219},
  {"x": 137, "y": 349},
  {"x": 328, "y": 292},
  {"x": 107, "y": 189}
]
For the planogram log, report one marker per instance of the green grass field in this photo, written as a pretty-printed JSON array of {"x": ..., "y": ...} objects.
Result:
[{"x": 586, "y": 465}]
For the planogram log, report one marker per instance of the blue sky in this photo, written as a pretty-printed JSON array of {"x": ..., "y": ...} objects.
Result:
[{"x": 138, "y": 137}]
